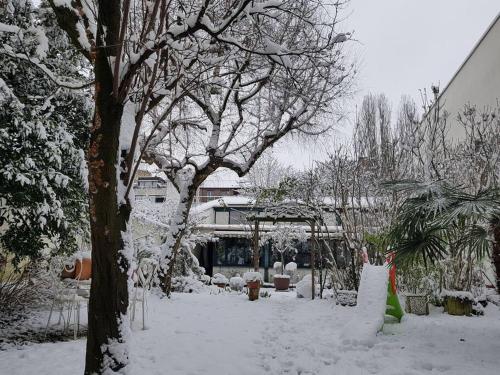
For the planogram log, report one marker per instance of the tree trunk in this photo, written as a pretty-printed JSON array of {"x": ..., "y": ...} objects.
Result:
[
  {"x": 107, "y": 323},
  {"x": 175, "y": 235},
  {"x": 496, "y": 250}
]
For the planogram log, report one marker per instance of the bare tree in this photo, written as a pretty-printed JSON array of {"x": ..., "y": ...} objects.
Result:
[
  {"x": 266, "y": 173},
  {"x": 148, "y": 56}
]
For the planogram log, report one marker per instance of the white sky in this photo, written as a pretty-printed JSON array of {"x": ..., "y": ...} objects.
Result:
[{"x": 403, "y": 46}]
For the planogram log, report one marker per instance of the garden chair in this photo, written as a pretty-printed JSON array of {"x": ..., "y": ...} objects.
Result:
[
  {"x": 68, "y": 296},
  {"x": 143, "y": 281}
]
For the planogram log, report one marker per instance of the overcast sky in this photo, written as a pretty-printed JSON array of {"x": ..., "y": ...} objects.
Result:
[{"x": 403, "y": 46}]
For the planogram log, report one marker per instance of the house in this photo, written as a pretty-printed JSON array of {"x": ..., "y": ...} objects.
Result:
[
  {"x": 154, "y": 189},
  {"x": 477, "y": 80},
  {"x": 229, "y": 250},
  {"x": 216, "y": 188}
]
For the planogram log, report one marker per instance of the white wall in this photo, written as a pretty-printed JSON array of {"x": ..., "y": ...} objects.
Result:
[{"x": 477, "y": 82}]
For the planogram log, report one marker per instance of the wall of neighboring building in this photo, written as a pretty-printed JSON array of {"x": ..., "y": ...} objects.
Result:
[
  {"x": 206, "y": 194},
  {"x": 477, "y": 81}
]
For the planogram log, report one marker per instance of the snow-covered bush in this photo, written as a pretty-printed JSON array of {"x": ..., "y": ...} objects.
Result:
[
  {"x": 187, "y": 284},
  {"x": 205, "y": 279},
  {"x": 277, "y": 266},
  {"x": 237, "y": 283},
  {"x": 219, "y": 278},
  {"x": 291, "y": 270},
  {"x": 291, "y": 267},
  {"x": 252, "y": 276},
  {"x": 304, "y": 287},
  {"x": 43, "y": 136},
  {"x": 17, "y": 287}
]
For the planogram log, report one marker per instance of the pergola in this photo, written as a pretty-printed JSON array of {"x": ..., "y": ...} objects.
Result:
[{"x": 288, "y": 213}]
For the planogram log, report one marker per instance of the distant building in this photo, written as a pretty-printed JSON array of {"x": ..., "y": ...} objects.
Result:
[
  {"x": 216, "y": 188},
  {"x": 477, "y": 80},
  {"x": 230, "y": 250},
  {"x": 154, "y": 189}
]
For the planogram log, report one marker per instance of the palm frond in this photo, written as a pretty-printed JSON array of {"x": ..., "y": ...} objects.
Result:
[
  {"x": 475, "y": 239},
  {"x": 426, "y": 244}
]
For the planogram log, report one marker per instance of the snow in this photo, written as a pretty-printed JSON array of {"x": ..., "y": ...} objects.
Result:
[
  {"x": 457, "y": 294},
  {"x": 222, "y": 202},
  {"x": 291, "y": 267},
  {"x": 368, "y": 318},
  {"x": 278, "y": 276},
  {"x": 219, "y": 278},
  {"x": 236, "y": 283},
  {"x": 304, "y": 287},
  {"x": 4, "y": 28},
  {"x": 252, "y": 276},
  {"x": 226, "y": 334}
]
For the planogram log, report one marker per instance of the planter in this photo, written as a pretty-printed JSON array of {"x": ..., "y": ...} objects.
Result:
[
  {"x": 347, "y": 297},
  {"x": 281, "y": 282},
  {"x": 458, "y": 306},
  {"x": 417, "y": 304},
  {"x": 68, "y": 272},
  {"x": 253, "y": 290},
  {"x": 220, "y": 285},
  {"x": 83, "y": 269}
]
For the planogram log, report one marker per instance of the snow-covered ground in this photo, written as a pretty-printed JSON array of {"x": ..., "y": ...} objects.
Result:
[{"x": 227, "y": 334}]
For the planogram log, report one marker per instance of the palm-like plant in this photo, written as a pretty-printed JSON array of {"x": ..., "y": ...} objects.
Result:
[{"x": 437, "y": 220}]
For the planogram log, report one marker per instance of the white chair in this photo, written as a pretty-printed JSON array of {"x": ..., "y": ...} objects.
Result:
[
  {"x": 143, "y": 281},
  {"x": 68, "y": 296}
]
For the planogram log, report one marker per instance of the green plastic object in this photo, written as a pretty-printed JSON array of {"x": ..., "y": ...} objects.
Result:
[{"x": 393, "y": 307}]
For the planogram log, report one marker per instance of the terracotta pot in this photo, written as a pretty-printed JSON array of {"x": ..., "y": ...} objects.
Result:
[
  {"x": 221, "y": 285},
  {"x": 281, "y": 283},
  {"x": 68, "y": 272},
  {"x": 83, "y": 269},
  {"x": 253, "y": 290}
]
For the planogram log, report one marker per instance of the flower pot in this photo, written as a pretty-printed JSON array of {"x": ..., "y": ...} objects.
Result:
[
  {"x": 253, "y": 290},
  {"x": 417, "y": 304},
  {"x": 221, "y": 285},
  {"x": 83, "y": 269},
  {"x": 458, "y": 306},
  {"x": 68, "y": 272},
  {"x": 347, "y": 297},
  {"x": 281, "y": 282}
]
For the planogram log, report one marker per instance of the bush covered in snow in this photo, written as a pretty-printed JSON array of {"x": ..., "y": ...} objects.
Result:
[
  {"x": 291, "y": 267},
  {"x": 219, "y": 278},
  {"x": 237, "y": 283},
  {"x": 252, "y": 276},
  {"x": 187, "y": 284},
  {"x": 304, "y": 287}
]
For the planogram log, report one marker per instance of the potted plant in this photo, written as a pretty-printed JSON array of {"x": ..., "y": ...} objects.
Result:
[
  {"x": 457, "y": 302},
  {"x": 447, "y": 225},
  {"x": 237, "y": 283},
  {"x": 220, "y": 280},
  {"x": 283, "y": 239},
  {"x": 418, "y": 282},
  {"x": 253, "y": 281}
]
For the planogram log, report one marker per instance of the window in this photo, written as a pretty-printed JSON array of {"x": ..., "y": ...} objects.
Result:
[{"x": 159, "y": 199}]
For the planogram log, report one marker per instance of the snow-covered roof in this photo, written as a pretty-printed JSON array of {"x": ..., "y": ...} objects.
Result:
[
  {"x": 237, "y": 200},
  {"x": 224, "y": 179},
  {"x": 287, "y": 210}
]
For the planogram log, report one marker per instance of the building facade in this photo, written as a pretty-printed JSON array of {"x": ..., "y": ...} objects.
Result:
[{"x": 476, "y": 82}]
